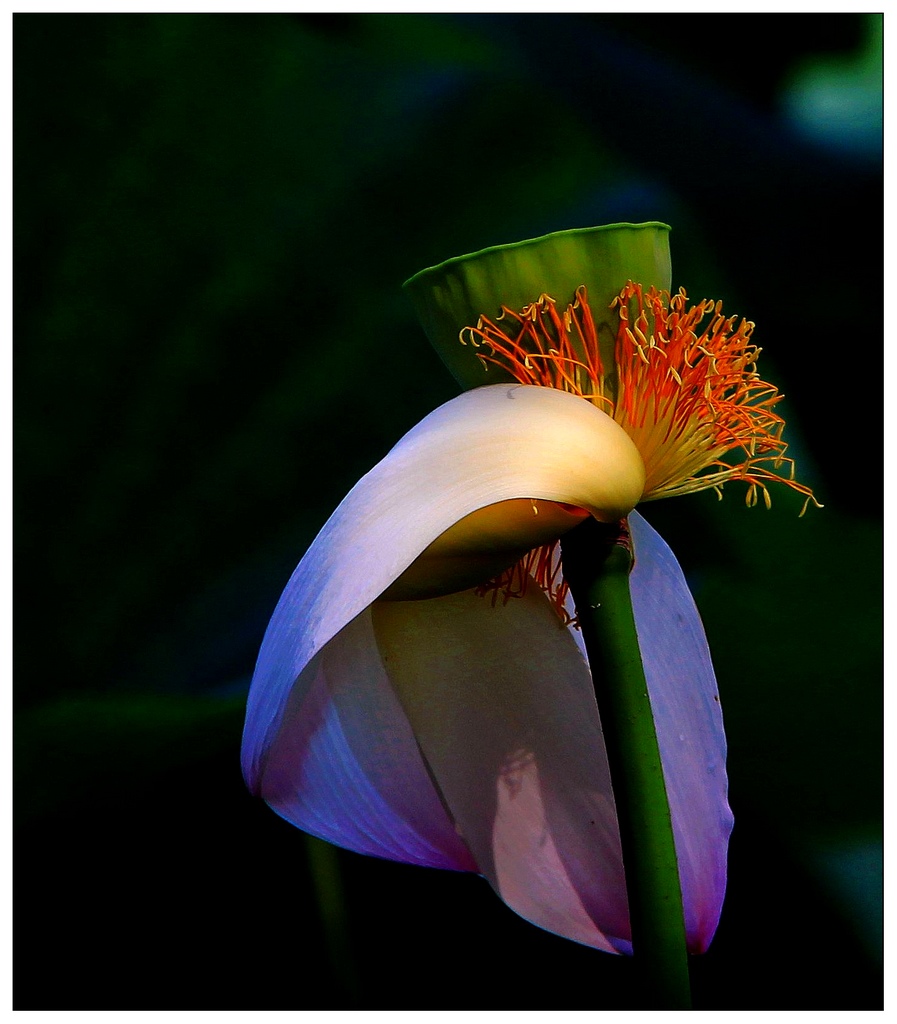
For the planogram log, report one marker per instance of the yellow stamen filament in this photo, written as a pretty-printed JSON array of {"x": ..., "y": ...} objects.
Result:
[{"x": 683, "y": 385}]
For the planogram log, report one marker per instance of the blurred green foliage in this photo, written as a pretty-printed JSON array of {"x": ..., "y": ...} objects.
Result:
[{"x": 213, "y": 218}]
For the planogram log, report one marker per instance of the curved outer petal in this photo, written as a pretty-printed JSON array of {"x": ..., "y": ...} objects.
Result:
[
  {"x": 486, "y": 446},
  {"x": 687, "y": 715}
]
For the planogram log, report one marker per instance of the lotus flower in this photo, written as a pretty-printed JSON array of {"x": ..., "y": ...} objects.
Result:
[{"x": 422, "y": 692}]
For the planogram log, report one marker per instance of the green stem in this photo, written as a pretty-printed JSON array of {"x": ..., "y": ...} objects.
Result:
[
  {"x": 597, "y": 559},
  {"x": 323, "y": 864}
]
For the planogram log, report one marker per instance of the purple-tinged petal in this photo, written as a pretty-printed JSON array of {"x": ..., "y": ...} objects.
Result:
[
  {"x": 502, "y": 705},
  {"x": 345, "y": 765},
  {"x": 685, "y": 700}
]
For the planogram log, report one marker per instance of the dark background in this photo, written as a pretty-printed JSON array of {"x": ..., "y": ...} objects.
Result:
[{"x": 213, "y": 218}]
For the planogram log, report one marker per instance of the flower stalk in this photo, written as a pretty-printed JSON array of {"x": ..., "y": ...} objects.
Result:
[{"x": 597, "y": 559}]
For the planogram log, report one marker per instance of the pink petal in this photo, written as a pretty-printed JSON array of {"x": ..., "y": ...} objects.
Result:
[
  {"x": 685, "y": 700},
  {"x": 502, "y": 705}
]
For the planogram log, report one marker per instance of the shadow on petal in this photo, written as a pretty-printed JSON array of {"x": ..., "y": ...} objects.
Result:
[
  {"x": 345, "y": 765},
  {"x": 501, "y": 703}
]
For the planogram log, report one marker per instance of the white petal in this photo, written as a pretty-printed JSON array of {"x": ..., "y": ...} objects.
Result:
[
  {"x": 488, "y": 445},
  {"x": 501, "y": 703}
]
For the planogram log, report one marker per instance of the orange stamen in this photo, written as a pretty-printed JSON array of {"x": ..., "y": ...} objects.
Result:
[
  {"x": 542, "y": 565},
  {"x": 683, "y": 385}
]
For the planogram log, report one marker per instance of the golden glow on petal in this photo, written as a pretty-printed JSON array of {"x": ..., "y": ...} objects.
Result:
[
  {"x": 683, "y": 385},
  {"x": 519, "y": 522},
  {"x": 486, "y": 545},
  {"x": 567, "y": 458}
]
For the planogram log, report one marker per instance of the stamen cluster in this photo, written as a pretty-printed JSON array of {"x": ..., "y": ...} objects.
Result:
[{"x": 681, "y": 380}]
